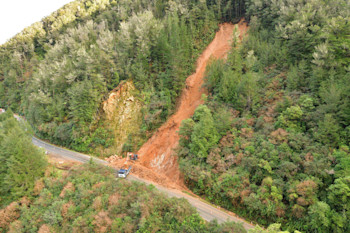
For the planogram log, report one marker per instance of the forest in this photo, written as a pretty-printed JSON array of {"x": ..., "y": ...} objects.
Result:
[
  {"x": 21, "y": 163},
  {"x": 58, "y": 72},
  {"x": 87, "y": 198},
  {"x": 271, "y": 141}
]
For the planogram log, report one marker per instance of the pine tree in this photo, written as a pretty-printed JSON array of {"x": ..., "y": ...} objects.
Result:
[
  {"x": 204, "y": 134},
  {"x": 21, "y": 163}
]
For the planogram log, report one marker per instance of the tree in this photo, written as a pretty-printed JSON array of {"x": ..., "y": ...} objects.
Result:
[
  {"x": 342, "y": 168},
  {"x": 186, "y": 130},
  {"x": 319, "y": 214},
  {"x": 204, "y": 134},
  {"x": 291, "y": 118},
  {"x": 273, "y": 228},
  {"x": 339, "y": 194},
  {"x": 328, "y": 131},
  {"x": 339, "y": 199},
  {"x": 21, "y": 162},
  {"x": 83, "y": 101}
]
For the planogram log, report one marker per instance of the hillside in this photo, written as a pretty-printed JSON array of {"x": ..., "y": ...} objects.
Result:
[
  {"x": 158, "y": 152},
  {"x": 88, "y": 199},
  {"x": 264, "y": 132},
  {"x": 59, "y": 72},
  {"x": 271, "y": 141}
]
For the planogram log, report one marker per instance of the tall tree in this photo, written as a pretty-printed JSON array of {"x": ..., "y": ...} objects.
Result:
[{"x": 21, "y": 162}]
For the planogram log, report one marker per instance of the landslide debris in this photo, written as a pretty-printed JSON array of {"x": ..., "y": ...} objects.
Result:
[{"x": 157, "y": 153}]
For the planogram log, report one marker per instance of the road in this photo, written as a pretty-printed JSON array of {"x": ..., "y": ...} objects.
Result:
[{"x": 206, "y": 211}]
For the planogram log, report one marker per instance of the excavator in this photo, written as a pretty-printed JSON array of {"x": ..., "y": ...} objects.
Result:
[{"x": 132, "y": 156}]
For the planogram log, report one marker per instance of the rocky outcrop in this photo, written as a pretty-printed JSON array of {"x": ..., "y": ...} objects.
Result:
[{"x": 122, "y": 114}]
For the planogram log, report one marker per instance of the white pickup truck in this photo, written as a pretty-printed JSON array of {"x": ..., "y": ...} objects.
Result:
[{"x": 122, "y": 173}]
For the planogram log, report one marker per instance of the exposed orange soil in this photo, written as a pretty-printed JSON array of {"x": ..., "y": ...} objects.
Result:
[
  {"x": 143, "y": 172},
  {"x": 157, "y": 154}
]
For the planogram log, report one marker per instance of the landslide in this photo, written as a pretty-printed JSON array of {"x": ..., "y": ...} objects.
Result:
[{"x": 157, "y": 154}]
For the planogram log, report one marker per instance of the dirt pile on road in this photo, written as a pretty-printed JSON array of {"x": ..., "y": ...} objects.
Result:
[{"x": 142, "y": 171}]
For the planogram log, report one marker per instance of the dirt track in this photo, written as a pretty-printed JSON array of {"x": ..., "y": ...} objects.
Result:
[{"x": 157, "y": 153}]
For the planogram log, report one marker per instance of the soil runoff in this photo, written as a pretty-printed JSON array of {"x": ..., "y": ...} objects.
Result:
[{"x": 158, "y": 152}]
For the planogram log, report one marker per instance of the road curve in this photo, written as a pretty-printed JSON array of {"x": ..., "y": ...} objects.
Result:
[{"x": 206, "y": 211}]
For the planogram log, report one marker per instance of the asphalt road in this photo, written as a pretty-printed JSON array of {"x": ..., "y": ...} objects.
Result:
[{"x": 208, "y": 212}]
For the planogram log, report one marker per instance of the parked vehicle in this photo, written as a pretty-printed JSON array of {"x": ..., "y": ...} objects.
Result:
[{"x": 123, "y": 173}]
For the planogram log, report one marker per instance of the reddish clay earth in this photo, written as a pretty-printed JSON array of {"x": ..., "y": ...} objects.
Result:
[{"x": 157, "y": 160}]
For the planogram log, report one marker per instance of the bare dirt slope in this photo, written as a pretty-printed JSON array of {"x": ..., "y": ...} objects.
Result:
[{"x": 157, "y": 153}]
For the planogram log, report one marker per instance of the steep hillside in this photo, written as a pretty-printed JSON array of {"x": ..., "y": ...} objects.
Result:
[
  {"x": 158, "y": 152},
  {"x": 271, "y": 141},
  {"x": 122, "y": 116},
  {"x": 60, "y": 71}
]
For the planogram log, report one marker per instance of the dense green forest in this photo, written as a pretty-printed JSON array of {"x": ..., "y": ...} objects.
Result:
[
  {"x": 21, "y": 163},
  {"x": 58, "y": 71},
  {"x": 272, "y": 140},
  {"x": 87, "y": 198}
]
